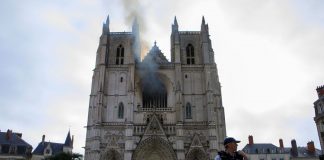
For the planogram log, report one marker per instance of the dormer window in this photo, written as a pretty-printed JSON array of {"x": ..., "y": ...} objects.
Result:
[
  {"x": 120, "y": 55},
  {"x": 190, "y": 54}
]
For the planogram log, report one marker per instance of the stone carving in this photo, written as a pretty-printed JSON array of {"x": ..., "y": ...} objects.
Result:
[{"x": 154, "y": 148}]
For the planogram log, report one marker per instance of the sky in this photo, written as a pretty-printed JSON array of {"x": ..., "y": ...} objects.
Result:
[{"x": 269, "y": 56}]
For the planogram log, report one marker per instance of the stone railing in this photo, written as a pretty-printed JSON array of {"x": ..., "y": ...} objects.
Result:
[
  {"x": 168, "y": 129},
  {"x": 121, "y": 33},
  {"x": 156, "y": 109}
]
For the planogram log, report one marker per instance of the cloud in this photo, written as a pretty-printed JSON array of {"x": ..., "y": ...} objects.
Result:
[
  {"x": 268, "y": 54},
  {"x": 268, "y": 72}
]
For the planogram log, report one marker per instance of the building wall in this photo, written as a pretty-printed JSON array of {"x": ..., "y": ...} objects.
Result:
[
  {"x": 268, "y": 156},
  {"x": 304, "y": 158},
  {"x": 319, "y": 115},
  {"x": 38, "y": 157},
  {"x": 11, "y": 157}
]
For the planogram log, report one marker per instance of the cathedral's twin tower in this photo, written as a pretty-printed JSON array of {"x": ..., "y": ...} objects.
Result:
[{"x": 155, "y": 109}]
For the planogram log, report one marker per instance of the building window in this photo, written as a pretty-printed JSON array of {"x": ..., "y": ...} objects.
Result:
[
  {"x": 12, "y": 149},
  {"x": 322, "y": 126},
  {"x": 188, "y": 111},
  {"x": 21, "y": 149},
  {"x": 121, "y": 79},
  {"x": 120, "y": 55},
  {"x": 121, "y": 111},
  {"x": 154, "y": 92},
  {"x": 190, "y": 54},
  {"x": 5, "y": 148}
]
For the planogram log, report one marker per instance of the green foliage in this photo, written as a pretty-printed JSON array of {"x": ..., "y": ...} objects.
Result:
[{"x": 65, "y": 156}]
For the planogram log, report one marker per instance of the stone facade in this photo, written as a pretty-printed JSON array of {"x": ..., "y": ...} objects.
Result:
[
  {"x": 153, "y": 108},
  {"x": 319, "y": 114}
]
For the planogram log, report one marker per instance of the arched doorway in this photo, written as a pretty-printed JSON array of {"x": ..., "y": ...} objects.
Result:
[
  {"x": 196, "y": 154},
  {"x": 154, "y": 148},
  {"x": 111, "y": 154}
]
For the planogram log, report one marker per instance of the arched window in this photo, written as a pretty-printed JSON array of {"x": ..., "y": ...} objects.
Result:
[
  {"x": 190, "y": 54},
  {"x": 120, "y": 55},
  {"x": 154, "y": 92},
  {"x": 188, "y": 111},
  {"x": 121, "y": 110}
]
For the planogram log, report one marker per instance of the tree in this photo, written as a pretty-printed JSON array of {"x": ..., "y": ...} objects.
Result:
[{"x": 65, "y": 156}]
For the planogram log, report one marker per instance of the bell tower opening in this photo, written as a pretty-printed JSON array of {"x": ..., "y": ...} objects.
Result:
[{"x": 154, "y": 93}]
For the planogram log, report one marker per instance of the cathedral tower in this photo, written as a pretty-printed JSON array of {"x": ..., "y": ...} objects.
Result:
[{"x": 155, "y": 108}]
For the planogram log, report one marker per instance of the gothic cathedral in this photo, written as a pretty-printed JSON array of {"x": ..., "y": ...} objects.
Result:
[{"x": 153, "y": 108}]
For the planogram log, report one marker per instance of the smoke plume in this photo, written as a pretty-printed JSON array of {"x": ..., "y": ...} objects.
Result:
[{"x": 135, "y": 10}]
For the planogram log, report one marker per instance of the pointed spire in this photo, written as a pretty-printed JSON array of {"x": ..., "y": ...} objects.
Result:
[
  {"x": 105, "y": 26},
  {"x": 107, "y": 20},
  {"x": 135, "y": 25},
  {"x": 175, "y": 25},
  {"x": 68, "y": 140},
  {"x": 175, "y": 21},
  {"x": 204, "y": 29},
  {"x": 203, "y": 20}
]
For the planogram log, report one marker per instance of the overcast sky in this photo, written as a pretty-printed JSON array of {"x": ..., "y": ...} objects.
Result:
[{"x": 269, "y": 54}]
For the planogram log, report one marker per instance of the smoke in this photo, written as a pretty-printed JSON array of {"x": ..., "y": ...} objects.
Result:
[
  {"x": 152, "y": 86},
  {"x": 136, "y": 10}
]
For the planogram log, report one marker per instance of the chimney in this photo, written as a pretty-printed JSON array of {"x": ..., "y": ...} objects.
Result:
[
  {"x": 250, "y": 139},
  {"x": 281, "y": 143},
  {"x": 311, "y": 147},
  {"x": 43, "y": 139},
  {"x": 9, "y": 134},
  {"x": 294, "y": 151},
  {"x": 19, "y": 135}
]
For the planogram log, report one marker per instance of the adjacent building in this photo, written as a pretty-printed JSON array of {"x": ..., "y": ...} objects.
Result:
[
  {"x": 265, "y": 151},
  {"x": 306, "y": 153},
  {"x": 268, "y": 151},
  {"x": 13, "y": 147},
  {"x": 47, "y": 148},
  {"x": 155, "y": 108},
  {"x": 319, "y": 114}
]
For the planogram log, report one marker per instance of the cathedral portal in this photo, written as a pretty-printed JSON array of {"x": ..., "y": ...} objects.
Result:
[{"x": 154, "y": 148}]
